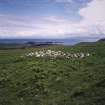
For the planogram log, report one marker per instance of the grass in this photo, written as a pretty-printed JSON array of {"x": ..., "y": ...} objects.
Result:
[{"x": 45, "y": 81}]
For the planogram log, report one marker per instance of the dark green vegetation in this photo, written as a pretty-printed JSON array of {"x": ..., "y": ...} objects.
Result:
[{"x": 39, "y": 81}]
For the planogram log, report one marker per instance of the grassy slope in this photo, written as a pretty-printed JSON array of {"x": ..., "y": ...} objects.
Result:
[{"x": 36, "y": 81}]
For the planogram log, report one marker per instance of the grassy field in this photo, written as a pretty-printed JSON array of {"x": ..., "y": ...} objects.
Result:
[{"x": 45, "y": 81}]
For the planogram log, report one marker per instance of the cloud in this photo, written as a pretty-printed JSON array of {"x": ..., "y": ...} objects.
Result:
[
  {"x": 12, "y": 26},
  {"x": 44, "y": 27},
  {"x": 93, "y": 16},
  {"x": 91, "y": 25},
  {"x": 63, "y": 1},
  {"x": 51, "y": 27},
  {"x": 94, "y": 12}
]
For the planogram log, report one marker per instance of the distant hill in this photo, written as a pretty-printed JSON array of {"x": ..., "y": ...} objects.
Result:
[
  {"x": 89, "y": 43},
  {"x": 101, "y": 40}
]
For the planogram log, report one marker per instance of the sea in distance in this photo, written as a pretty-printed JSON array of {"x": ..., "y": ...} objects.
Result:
[{"x": 65, "y": 41}]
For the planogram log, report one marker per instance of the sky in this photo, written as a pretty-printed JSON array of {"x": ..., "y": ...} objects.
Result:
[{"x": 52, "y": 18}]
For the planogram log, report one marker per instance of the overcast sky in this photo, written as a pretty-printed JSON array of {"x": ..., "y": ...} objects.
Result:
[{"x": 52, "y": 18}]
